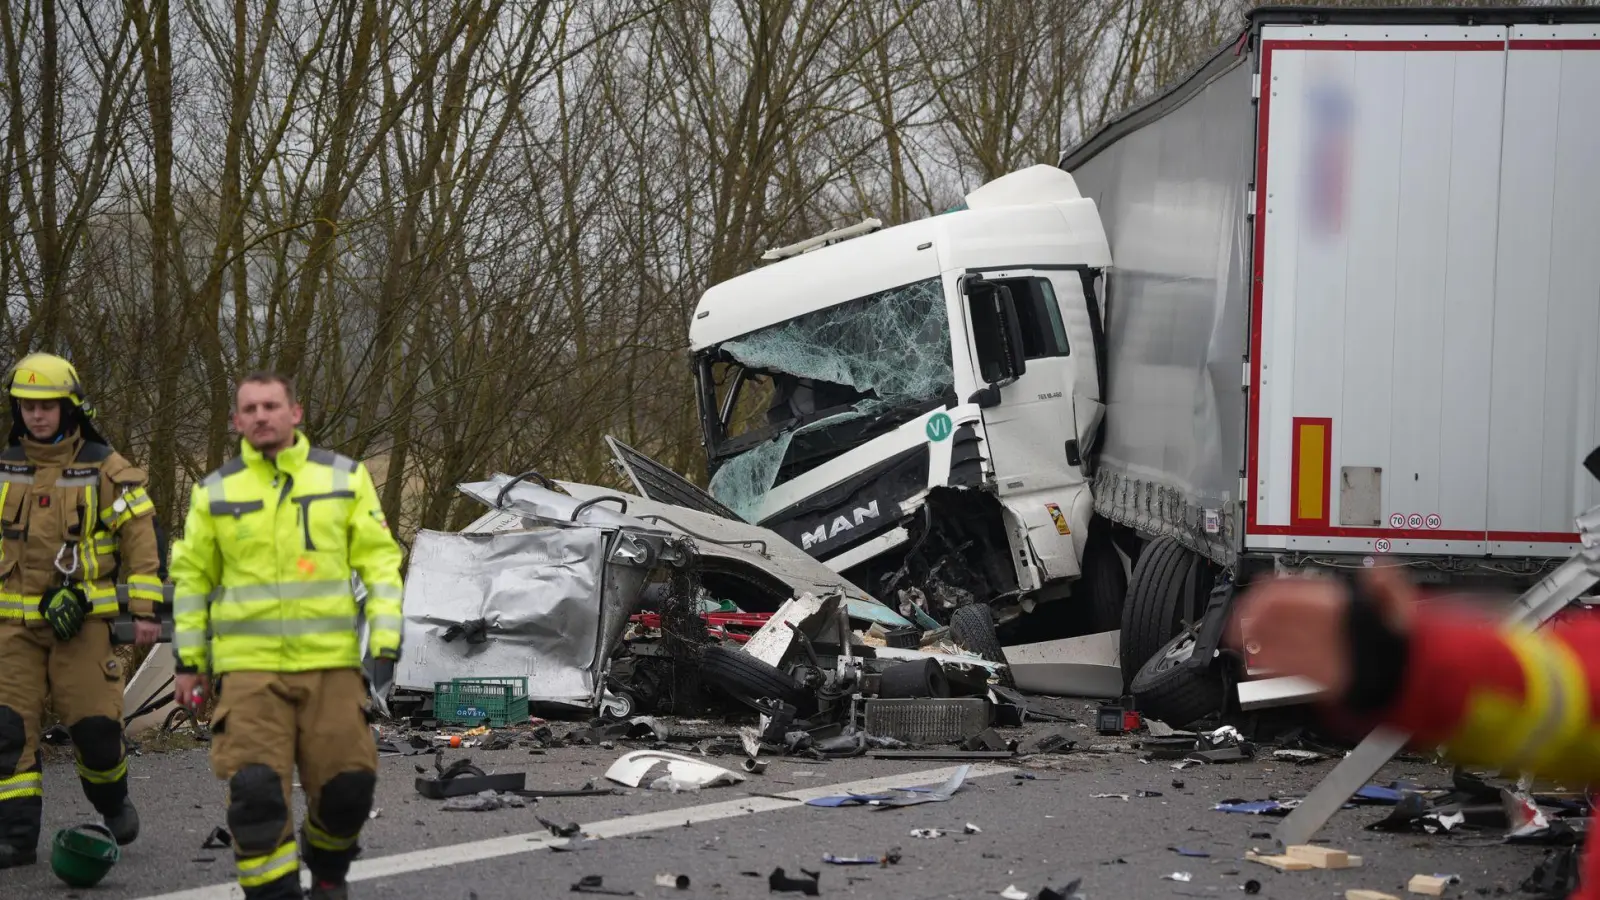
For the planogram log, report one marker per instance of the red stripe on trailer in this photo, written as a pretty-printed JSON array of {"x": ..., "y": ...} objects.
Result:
[
  {"x": 1420, "y": 534},
  {"x": 1554, "y": 44},
  {"x": 1257, "y": 300}
]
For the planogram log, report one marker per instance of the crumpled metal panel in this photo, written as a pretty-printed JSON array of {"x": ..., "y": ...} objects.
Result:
[{"x": 556, "y": 599}]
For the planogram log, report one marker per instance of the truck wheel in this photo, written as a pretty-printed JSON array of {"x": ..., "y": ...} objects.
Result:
[
  {"x": 1158, "y": 601},
  {"x": 972, "y": 626},
  {"x": 747, "y": 679},
  {"x": 1104, "y": 582},
  {"x": 1177, "y": 694}
]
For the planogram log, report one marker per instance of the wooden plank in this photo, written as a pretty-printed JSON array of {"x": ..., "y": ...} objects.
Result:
[
  {"x": 1430, "y": 885},
  {"x": 1321, "y": 857},
  {"x": 1281, "y": 863},
  {"x": 1368, "y": 895}
]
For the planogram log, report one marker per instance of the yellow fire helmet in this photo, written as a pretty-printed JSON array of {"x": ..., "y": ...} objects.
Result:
[{"x": 45, "y": 376}]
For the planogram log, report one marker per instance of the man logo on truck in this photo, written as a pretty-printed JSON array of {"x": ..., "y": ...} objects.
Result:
[{"x": 840, "y": 525}]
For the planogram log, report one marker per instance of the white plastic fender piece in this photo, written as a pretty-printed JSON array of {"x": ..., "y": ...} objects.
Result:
[{"x": 631, "y": 769}]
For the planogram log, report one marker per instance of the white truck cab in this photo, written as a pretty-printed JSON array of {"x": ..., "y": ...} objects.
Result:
[{"x": 915, "y": 405}]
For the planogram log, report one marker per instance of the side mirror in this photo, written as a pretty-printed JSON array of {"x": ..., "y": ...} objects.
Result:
[{"x": 996, "y": 330}]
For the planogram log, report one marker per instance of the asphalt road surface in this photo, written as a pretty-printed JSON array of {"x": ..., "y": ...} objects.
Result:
[{"x": 1032, "y": 833}]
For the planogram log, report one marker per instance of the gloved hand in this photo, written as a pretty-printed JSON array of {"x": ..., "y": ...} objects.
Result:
[{"x": 65, "y": 608}]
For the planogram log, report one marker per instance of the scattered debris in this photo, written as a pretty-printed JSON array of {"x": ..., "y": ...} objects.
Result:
[
  {"x": 1123, "y": 797},
  {"x": 833, "y": 860},
  {"x": 778, "y": 882},
  {"x": 1431, "y": 885},
  {"x": 1257, "y": 807},
  {"x": 1281, "y": 863},
  {"x": 485, "y": 801},
  {"x": 559, "y": 830},
  {"x": 754, "y": 766},
  {"x": 1147, "y": 794},
  {"x": 218, "y": 839},
  {"x": 461, "y": 779},
  {"x": 1368, "y": 895},
  {"x": 972, "y": 829},
  {"x": 682, "y": 773},
  {"x": 1184, "y": 877},
  {"x": 926, "y": 833},
  {"x": 1298, "y": 757},
  {"x": 1556, "y": 876},
  {"x": 1251, "y": 887},
  {"x": 669, "y": 880},
  {"x": 1323, "y": 857},
  {"x": 1054, "y": 741},
  {"x": 595, "y": 884},
  {"x": 1012, "y": 893},
  {"x": 1182, "y": 851}
]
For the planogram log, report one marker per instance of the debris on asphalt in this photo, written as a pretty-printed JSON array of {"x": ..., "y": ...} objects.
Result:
[
  {"x": 669, "y": 880},
  {"x": 754, "y": 766},
  {"x": 1368, "y": 895},
  {"x": 1257, "y": 807},
  {"x": 462, "y": 779},
  {"x": 1322, "y": 857},
  {"x": 780, "y": 883},
  {"x": 926, "y": 833},
  {"x": 1147, "y": 794},
  {"x": 1053, "y": 741},
  {"x": 1184, "y": 877},
  {"x": 1067, "y": 892},
  {"x": 680, "y": 772},
  {"x": 558, "y": 829},
  {"x": 1251, "y": 887},
  {"x": 1183, "y": 851},
  {"x": 1555, "y": 877},
  {"x": 1431, "y": 885},
  {"x": 833, "y": 860},
  {"x": 1281, "y": 863},
  {"x": 1012, "y": 893},
  {"x": 485, "y": 801},
  {"x": 218, "y": 839},
  {"x": 1298, "y": 757},
  {"x": 1122, "y": 797},
  {"x": 595, "y": 884}
]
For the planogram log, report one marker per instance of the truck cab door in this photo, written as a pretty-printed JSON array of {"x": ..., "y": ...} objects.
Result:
[{"x": 1023, "y": 355}]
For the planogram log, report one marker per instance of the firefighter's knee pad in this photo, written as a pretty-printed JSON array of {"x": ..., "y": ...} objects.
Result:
[
  {"x": 13, "y": 740},
  {"x": 346, "y": 801},
  {"x": 99, "y": 742},
  {"x": 258, "y": 812}
]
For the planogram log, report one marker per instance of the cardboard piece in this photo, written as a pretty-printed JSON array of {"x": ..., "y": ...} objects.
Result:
[
  {"x": 1321, "y": 857},
  {"x": 1431, "y": 885}
]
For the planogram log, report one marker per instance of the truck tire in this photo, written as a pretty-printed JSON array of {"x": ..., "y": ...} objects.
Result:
[
  {"x": 1156, "y": 602},
  {"x": 747, "y": 679},
  {"x": 972, "y": 626},
  {"x": 1174, "y": 693},
  {"x": 1104, "y": 583}
]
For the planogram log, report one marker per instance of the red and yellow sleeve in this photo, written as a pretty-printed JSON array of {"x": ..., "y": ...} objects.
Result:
[{"x": 1516, "y": 699}]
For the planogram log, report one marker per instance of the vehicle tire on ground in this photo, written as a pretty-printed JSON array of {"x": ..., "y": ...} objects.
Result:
[
  {"x": 1158, "y": 601},
  {"x": 1174, "y": 693},
  {"x": 1103, "y": 587},
  {"x": 972, "y": 627},
  {"x": 747, "y": 679}
]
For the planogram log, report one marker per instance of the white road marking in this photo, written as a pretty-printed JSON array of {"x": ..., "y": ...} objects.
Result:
[{"x": 511, "y": 845}]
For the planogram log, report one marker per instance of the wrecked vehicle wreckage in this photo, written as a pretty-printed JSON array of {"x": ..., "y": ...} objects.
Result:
[{"x": 609, "y": 603}]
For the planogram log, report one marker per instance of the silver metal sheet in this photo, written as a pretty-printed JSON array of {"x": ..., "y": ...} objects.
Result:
[
  {"x": 539, "y": 591},
  {"x": 1286, "y": 690},
  {"x": 1087, "y": 666},
  {"x": 1173, "y": 196}
]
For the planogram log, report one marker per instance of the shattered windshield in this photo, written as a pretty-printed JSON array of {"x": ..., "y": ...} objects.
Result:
[{"x": 871, "y": 362}]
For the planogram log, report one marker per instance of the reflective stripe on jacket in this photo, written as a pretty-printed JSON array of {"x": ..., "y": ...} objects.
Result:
[
  {"x": 85, "y": 505},
  {"x": 262, "y": 575}
]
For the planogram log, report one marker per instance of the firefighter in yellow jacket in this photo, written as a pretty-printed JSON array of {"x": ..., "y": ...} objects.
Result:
[
  {"x": 76, "y": 521},
  {"x": 265, "y": 613}
]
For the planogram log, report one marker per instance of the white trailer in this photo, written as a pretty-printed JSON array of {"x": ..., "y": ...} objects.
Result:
[{"x": 1355, "y": 312}]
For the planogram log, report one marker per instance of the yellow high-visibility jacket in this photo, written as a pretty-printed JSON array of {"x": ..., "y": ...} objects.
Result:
[{"x": 262, "y": 575}]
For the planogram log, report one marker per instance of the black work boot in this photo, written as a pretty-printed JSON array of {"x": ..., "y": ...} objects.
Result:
[
  {"x": 16, "y": 856},
  {"x": 124, "y": 823},
  {"x": 323, "y": 890}
]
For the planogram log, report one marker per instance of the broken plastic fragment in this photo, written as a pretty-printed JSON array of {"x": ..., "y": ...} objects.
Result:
[
  {"x": 1178, "y": 876},
  {"x": 682, "y": 772},
  {"x": 668, "y": 879},
  {"x": 832, "y": 860},
  {"x": 1012, "y": 893},
  {"x": 972, "y": 829},
  {"x": 595, "y": 884},
  {"x": 1181, "y": 851},
  {"x": 926, "y": 833},
  {"x": 217, "y": 839},
  {"x": 780, "y": 883},
  {"x": 485, "y": 801},
  {"x": 1257, "y": 807}
]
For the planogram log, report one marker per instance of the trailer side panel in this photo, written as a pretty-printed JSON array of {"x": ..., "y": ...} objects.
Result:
[
  {"x": 1427, "y": 299},
  {"x": 1172, "y": 193}
]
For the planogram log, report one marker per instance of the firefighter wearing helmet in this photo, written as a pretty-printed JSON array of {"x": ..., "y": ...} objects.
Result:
[{"x": 74, "y": 523}]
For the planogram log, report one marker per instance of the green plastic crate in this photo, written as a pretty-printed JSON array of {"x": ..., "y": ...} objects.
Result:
[{"x": 469, "y": 701}]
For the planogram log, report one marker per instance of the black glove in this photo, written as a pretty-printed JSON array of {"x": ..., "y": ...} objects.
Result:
[{"x": 65, "y": 608}]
